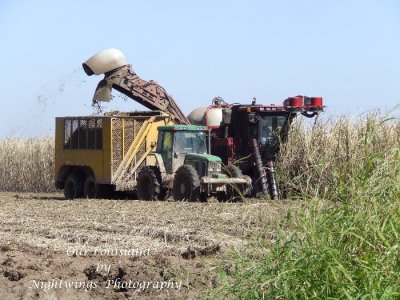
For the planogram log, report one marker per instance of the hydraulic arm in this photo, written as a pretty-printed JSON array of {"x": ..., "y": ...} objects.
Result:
[{"x": 120, "y": 76}]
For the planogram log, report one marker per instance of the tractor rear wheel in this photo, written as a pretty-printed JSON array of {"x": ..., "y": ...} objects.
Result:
[
  {"x": 235, "y": 191},
  {"x": 73, "y": 186},
  {"x": 186, "y": 184},
  {"x": 149, "y": 184}
]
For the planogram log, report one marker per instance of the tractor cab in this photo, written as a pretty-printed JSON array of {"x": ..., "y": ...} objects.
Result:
[{"x": 176, "y": 142}]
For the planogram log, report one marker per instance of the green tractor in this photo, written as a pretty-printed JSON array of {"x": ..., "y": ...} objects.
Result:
[{"x": 185, "y": 168}]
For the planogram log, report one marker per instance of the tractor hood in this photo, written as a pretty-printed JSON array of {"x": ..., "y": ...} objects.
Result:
[{"x": 202, "y": 157}]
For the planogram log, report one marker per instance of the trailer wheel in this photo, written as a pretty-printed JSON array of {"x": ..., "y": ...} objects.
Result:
[
  {"x": 73, "y": 187},
  {"x": 235, "y": 192},
  {"x": 186, "y": 184},
  {"x": 149, "y": 184},
  {"x": 90, "y": 188}
]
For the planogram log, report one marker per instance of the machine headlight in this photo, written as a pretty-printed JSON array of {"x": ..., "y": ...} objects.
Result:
[{"x": 214, "y": 167}]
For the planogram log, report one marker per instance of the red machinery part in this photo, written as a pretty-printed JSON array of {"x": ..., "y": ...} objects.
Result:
[
  {"x": 295, "y": 102},
  {"x": 316, "y": 101}
]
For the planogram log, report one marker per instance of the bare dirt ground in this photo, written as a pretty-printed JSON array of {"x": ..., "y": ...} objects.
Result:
[{"x": 51, "y": 248}]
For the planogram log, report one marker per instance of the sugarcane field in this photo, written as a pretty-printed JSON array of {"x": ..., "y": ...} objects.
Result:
[{"x": 223, "y": 150}]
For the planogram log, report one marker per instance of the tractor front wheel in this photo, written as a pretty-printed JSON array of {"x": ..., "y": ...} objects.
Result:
[
  {"x": 149, "y": 184},
  {"x": 186, "y": 184}
]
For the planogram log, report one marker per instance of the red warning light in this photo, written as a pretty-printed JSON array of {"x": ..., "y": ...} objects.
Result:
[
  {"x": 296, "y": 101},
  {"x": 316, "y": 101}
]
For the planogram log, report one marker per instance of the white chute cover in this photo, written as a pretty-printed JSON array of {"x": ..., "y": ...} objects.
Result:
[{"x": 104, "y": 61}]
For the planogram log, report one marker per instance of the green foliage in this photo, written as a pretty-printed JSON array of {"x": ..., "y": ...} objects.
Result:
[{"x": 345, "y": 243}]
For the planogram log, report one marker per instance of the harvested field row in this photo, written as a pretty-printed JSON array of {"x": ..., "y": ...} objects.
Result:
[{"x": 44, "y": 237}]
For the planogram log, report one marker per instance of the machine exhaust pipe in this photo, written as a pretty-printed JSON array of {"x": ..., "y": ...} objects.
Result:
[
  {"x": 265, "y": 175},
  {"x": 259, "y": 166},
  {"x": 273, "y": 188}
]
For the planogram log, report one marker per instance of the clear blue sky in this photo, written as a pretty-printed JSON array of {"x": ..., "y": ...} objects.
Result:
[{"x": 346, "y": 51}]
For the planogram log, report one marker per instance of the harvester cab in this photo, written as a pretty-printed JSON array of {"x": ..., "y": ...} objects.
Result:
[
  {"x": 265, "y": 127},
  {"x": 185, "y": 167}
]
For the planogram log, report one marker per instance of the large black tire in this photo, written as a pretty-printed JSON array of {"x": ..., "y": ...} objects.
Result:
[
  {"x": 235, "y": 192},
  {"x": 149, "y": 184},
  {"x": 186, "y": 184},
  {"x": 73, "y": 186},
  {"x": 89, "y": 187}
]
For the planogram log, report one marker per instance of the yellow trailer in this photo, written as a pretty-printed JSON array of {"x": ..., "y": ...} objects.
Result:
[{"x": 98, "y": 154}]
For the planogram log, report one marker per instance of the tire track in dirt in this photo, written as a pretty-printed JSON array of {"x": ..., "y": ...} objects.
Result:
[{"x": 183, "y": 242}]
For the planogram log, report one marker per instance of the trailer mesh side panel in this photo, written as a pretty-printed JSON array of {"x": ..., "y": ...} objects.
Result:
[
  {"x": 123, "y": 135},
  {"x": 138, "y": 125},
  {"x": 117, "y": 154},
  {"x": 99, "y": 134},
  {"x": 92, "y": 134},
  {"x": 75, "y": 134},
  {"x": 83, "y": 134},
  {"x": 129, "y": 134},
  {"x": 67, "y": 134}
]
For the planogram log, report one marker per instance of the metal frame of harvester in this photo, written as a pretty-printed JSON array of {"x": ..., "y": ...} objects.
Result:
[{"x": 250, "y": 135}]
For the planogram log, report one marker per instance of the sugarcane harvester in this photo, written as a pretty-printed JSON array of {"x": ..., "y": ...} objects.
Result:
[{"x": 249, "y": 136}]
